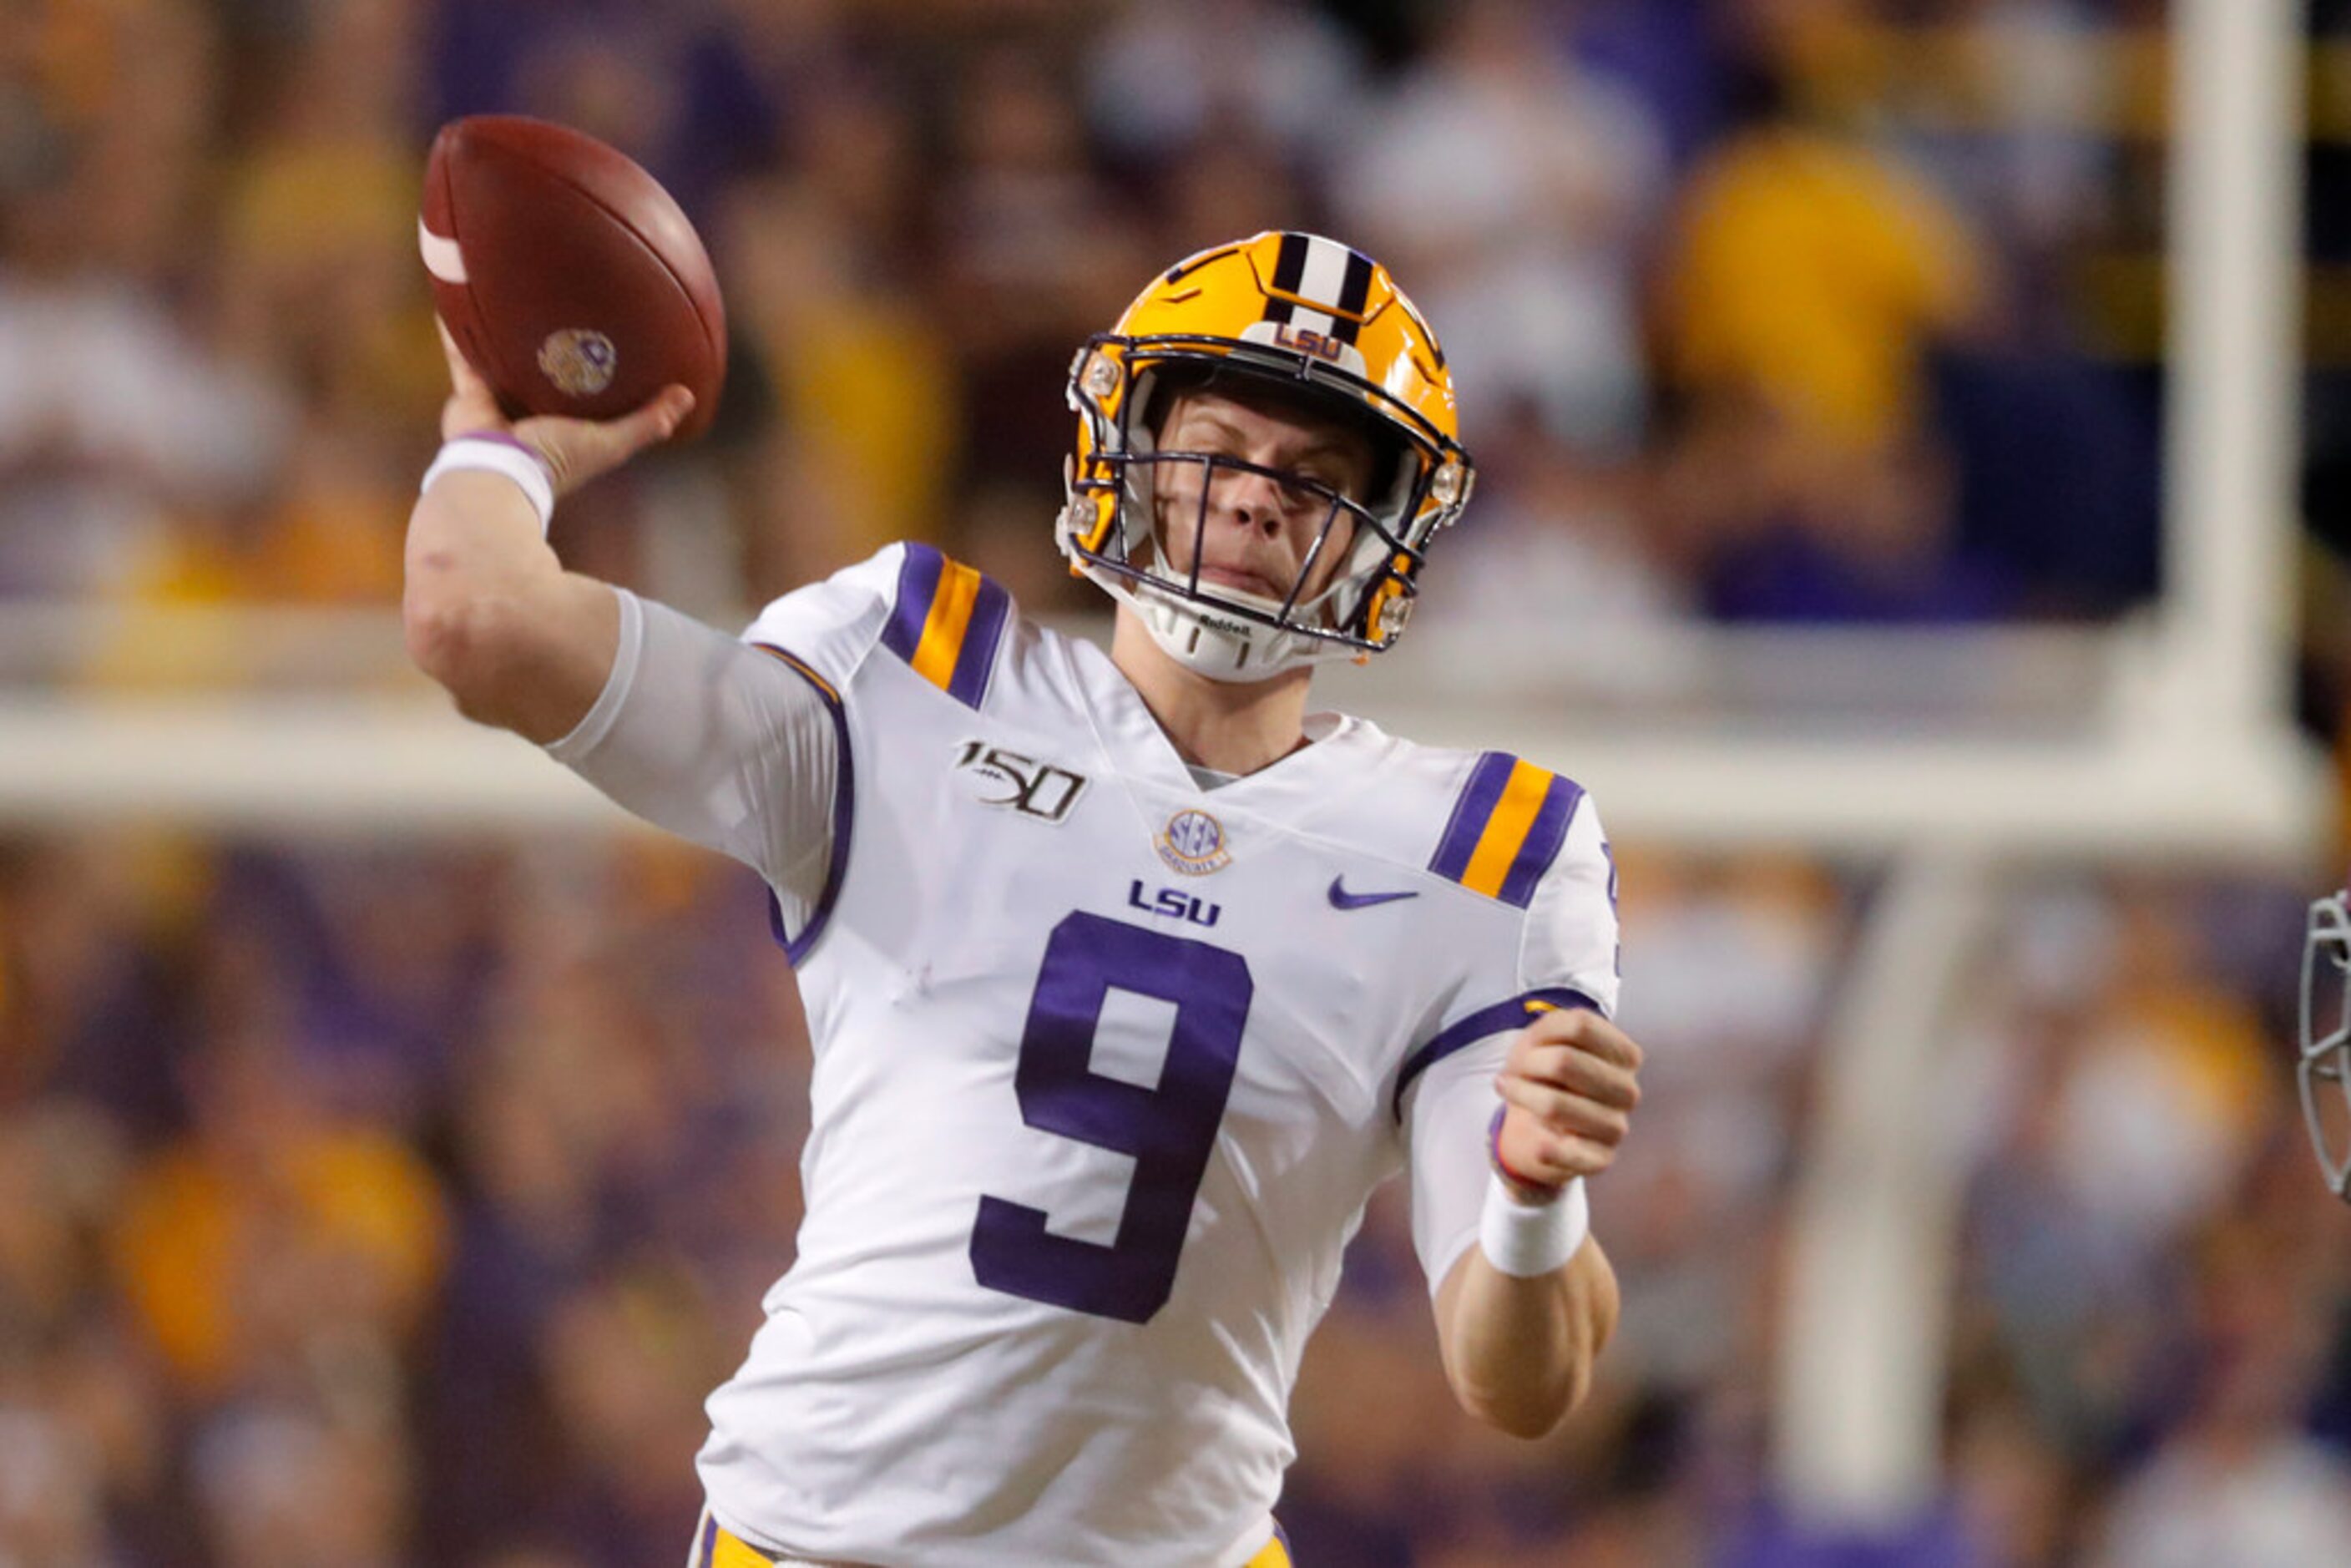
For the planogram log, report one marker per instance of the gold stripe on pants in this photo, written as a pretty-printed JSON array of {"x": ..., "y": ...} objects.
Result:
[{"x": 714, "y": 1547}]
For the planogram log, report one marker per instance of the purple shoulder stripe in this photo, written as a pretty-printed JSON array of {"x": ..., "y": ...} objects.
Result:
[
  {"x": 1545, "y": 836},
  {"x": 918, "y": 584},
  {"x": 946, "y": 622},
  {"x": 1470, "y": 810},
  {"x": 977, "y": 658}
]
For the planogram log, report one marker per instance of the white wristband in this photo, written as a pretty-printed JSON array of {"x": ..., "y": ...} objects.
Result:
[
  {"x": 498, "y": 455},
  {"x": 1528, "y": 1240}
]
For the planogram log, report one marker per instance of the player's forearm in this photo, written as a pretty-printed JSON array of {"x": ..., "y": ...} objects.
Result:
[
  {"x": 492, "y": 615},
  {"x": 1519, "y": 1352},
  {"x": 473, "y": 533}
]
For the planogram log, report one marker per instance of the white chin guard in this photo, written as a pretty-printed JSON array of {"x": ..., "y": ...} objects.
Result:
[{"x": 1221, "y": 647}]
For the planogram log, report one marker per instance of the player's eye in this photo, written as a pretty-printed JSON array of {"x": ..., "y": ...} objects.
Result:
[{"x": 1205, "y": 441}]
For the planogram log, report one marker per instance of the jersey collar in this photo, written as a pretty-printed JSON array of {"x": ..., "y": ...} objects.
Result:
[{"x": 1334, "y": 764}]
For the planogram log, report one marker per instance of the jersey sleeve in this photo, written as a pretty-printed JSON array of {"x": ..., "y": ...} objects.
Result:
[
  {"x": 1447, "y": 1099},
  {"x": 1571, "y": 932},
  {"x": 742, "y": 744},
  {"x": 827, "y": 627},
  {"x": 718, "y": 743}
]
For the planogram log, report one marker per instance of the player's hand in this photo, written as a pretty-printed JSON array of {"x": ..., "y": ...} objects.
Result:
[
  {"x": 1569, "y": 1086},
  {"x": 574, "y": 449}
]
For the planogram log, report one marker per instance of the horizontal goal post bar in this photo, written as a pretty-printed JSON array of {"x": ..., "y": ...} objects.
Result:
[{"x": 398, "y": 765}]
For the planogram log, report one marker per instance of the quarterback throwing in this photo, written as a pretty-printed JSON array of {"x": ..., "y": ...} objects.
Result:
[{"x": 1129, "y": 978}]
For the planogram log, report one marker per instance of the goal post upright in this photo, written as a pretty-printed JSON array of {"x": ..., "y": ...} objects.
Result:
[
  {"x": 1863, "y": 1365},
  {"x": 2233, "y": 404}
]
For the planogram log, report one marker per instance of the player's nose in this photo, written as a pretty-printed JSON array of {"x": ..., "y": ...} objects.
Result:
[{"x": 1256, "y": 500}]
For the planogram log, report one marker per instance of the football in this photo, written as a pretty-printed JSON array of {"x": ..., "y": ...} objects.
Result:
[{"x": 570, "y": 278}]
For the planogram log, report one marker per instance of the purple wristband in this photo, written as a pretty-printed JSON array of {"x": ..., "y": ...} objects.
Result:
[{"x": 503, "y": 438}]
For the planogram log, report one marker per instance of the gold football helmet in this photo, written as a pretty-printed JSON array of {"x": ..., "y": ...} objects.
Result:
[{"x": 1326, "y": 327}]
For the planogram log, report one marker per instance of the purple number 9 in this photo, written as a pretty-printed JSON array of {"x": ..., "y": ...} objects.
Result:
[{"x": 1169, "y": 1130}]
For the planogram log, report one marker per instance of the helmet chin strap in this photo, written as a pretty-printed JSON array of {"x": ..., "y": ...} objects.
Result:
[{"x": 1221, "y": 648}]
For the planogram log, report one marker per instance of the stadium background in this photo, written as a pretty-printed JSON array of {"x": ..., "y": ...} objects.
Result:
[{"x": 379, "y": 1199}]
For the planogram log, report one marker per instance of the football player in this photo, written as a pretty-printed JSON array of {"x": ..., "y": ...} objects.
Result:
[{"x": 1129, "y": 978}]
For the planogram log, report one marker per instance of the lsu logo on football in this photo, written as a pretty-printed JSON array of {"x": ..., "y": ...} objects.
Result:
[{"x": 578, "y": 360}]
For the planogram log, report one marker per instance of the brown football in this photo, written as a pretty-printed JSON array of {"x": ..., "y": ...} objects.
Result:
[{"x": 570, "y": 279}]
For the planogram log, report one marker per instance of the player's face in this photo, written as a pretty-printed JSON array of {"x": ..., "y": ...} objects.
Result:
[{"x": 1258, "y": 532}]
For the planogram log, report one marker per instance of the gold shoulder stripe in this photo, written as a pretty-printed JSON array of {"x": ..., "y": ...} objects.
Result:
[
  {"x": 1506, "y": 830},
  {"x": 944, "y": 629}
]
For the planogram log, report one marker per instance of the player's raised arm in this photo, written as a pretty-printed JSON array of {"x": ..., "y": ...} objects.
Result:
[
  {"x": 489, "y": 611},
  {"x": 678, "y": 722}
]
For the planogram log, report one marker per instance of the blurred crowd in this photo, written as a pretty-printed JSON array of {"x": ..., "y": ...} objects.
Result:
[
  {"x": 381, "y": 1205},
  {"x": 1762, "y": 309},
  {"x": 384, "y": 1204}
]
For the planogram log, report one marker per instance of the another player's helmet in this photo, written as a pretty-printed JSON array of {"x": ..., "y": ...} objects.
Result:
[
  {"x": 2326, "y": 1068},
  {"x": 1326, "y": 325}
]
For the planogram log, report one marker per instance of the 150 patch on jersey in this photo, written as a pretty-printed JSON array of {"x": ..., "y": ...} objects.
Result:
[{"x": 996, "y": 777}]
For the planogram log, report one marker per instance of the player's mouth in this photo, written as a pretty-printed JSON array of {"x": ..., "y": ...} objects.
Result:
[{"x": 1236, "y": 579}]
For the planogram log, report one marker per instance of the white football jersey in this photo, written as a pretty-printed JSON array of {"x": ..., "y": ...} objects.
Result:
[{"x": 1106, "y": 1066}]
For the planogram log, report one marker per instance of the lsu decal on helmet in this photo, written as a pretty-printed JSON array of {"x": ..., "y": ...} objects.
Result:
[
  {"x": 1318, "y": 325},
  {"x": 2325, "y": 1072}
]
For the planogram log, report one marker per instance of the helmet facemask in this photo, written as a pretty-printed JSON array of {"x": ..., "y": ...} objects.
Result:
[
  {"x": 1117, "y": 531},
  {"x": 2325, "y": 1070}
]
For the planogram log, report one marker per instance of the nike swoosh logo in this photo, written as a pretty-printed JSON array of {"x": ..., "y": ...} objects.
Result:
[{"x": 1341, "y": 899}]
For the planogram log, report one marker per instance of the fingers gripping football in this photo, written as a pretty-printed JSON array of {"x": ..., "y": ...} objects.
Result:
[
  {"x": 574, "y": 449},
  {"x": 1570, "y": 1084},
  {"x": 472, "y": 406}
]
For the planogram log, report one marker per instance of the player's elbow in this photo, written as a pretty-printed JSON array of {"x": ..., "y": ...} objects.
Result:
[
  {"x": 465, "y": 641},
  {"x": 443, "y": 628},
  {"x": 1527, "y": 1409}
]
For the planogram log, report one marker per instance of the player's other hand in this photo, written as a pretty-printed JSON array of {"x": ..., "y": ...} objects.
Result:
[
  {"x": 574, "y": 449},
  {"x": 1569, "y": 1086}
]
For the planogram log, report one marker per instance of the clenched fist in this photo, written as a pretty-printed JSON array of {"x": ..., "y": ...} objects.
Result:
[{"x": 1569, "y": 1085}]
